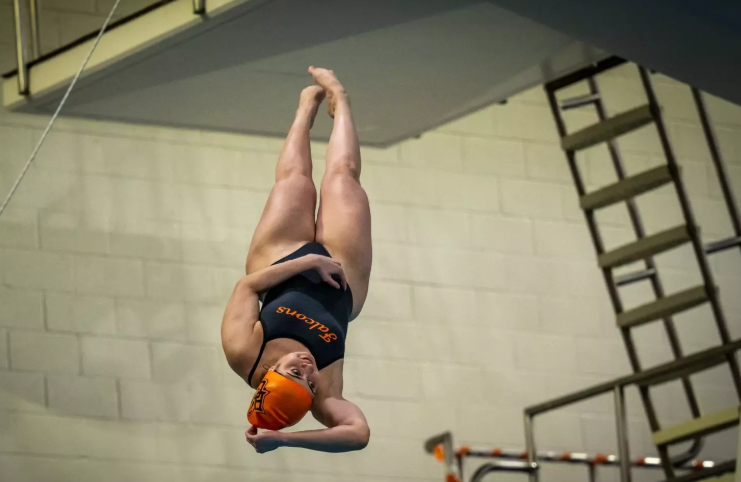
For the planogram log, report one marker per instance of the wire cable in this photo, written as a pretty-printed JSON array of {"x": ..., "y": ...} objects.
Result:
[{"x": 59, "y": 108}]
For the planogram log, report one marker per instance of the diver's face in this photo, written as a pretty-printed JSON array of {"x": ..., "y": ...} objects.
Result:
[{"x": 301, "y": 368}]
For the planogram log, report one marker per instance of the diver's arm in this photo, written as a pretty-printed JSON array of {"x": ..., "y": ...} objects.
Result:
[
  {"x": 270, "y": 276},
  {"x": 348, "y": 430}
]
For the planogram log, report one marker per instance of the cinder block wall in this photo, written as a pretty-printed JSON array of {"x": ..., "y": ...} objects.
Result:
[{"x": 123, "y": 243}]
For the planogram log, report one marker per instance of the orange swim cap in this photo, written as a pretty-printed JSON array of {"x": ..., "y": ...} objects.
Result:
[{"x": 278, "y": 402}]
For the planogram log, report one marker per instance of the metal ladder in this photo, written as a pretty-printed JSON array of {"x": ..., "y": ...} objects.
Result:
[{"x": 645, "y": 247}]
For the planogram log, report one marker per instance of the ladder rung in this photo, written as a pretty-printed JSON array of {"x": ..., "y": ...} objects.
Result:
[
  {"x": 608, "y": 129},
  {"x": 627, "y": 188},
  {"x": 583, "y": 74},
  {"x": 680, "y": 369},
  {"x": 697, "y": 427},
  {"x": 630, "y": 278},
  {"x": 580, "y": 101},
  {"x": 696, "y": 362},
  {"x": 644, "y": 247},
  {"x": 663, "y": 307},
  {"x": 722, "y": 245},
  {"x": 689, "y": 364}
]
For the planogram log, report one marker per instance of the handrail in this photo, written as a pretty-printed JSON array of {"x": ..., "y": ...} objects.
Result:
[
  {"x": 507, "y": 466},
  {"x": 680, "y": 459},
  {"x": 81, "y": 40}
]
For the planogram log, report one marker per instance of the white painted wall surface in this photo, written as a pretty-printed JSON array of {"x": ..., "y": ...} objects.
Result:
[{"x": 123, "y": 243}]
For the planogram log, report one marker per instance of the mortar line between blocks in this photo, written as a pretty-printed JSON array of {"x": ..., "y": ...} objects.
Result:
[
  {"x": 7, "y": 350},
  {"x": 150, "y": 353},
  {"x": 45, "y": 387},
  {"x": 37, "y": 237},
  {"x": 80, "y": 351},
  {"x": 45, "y": 310},
  {"x": 119, "y": 398}
]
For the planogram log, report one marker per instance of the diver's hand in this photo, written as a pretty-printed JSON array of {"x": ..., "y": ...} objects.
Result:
[
  {"x": 326, "y": 267},
  {"x": 263, "y": 442}
]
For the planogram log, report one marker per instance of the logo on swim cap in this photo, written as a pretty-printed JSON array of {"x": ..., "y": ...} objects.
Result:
[
  {"x": 259, "y": 398},
  {"x": 288, "y": 402}
]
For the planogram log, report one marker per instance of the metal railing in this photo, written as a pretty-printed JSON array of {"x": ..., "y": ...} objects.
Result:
[
  {"x": 509, "y": 460},
  {"x": 664, "y": 372},
  {"x": 442, "y": 445},
  {"x": 27, "y": 35}
]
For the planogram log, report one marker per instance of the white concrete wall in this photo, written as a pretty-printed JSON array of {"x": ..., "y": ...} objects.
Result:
[{"x": 122, "y": 245}]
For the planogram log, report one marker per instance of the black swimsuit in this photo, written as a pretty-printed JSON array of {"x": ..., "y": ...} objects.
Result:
[{"x": 307, "y": 309}]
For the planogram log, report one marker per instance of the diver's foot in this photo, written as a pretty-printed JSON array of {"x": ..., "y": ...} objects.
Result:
[
  {"x": 309, "y": 101},
  {"x": 336, "y": 93}
]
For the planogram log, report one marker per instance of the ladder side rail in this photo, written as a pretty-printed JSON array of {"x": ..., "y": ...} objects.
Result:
[
  {"x": 697, "y": 245},
  {"x": 720, "y": 166},
  {"x": 655, "y": 280},
  {"x": 617, "y": 303},
  {"x": 607, "y": 273},
  {"x": 639, "y": 230}
]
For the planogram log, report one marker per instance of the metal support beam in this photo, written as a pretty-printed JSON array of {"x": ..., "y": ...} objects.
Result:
[
  {"x": 738, "y": 456},
  {"x": 23, "y": 49},
  {"x": 530, "y": 448},
  {"x": 592, "y": 473},
  {"x": 441, "y": 446},
  {"x": 622, "y": 435},
  {"x": 33, "y": 12}
]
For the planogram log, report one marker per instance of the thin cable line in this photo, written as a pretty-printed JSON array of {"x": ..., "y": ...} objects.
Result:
[{"x": 59, "y": 109}]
